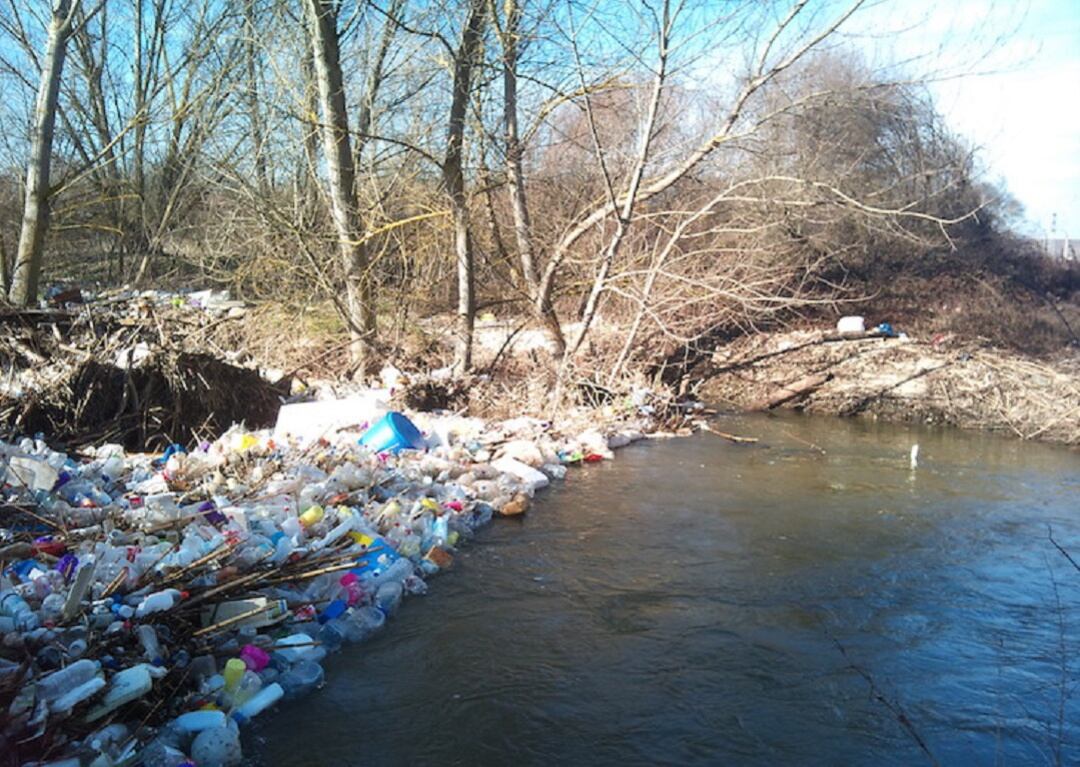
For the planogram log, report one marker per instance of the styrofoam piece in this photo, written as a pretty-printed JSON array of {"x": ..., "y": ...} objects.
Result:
[
  {"x": 527, "y": 474},
  {"x": 851, "y": 324},
  {"x": 308, "y": 421}
]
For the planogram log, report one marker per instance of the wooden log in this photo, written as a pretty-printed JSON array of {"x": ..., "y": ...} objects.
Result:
[{"x": 800, "y": 388}]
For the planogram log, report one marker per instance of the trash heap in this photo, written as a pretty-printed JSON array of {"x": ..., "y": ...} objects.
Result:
[
  {"x": 144, "y": 368},
  {"x": 150, "y": 605}
]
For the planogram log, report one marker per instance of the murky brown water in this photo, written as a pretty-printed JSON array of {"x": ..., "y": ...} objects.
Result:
[{"x": 687, "y": 604}]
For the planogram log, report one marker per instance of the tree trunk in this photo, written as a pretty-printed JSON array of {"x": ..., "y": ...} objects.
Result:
[
  {"x": 24, "y": 281},
  {"x": 540, "y": 303},
  {"x": 374, "y": 81},
  {"x": 308, "y": 176},
  {"x": 251, "y": 54},
  {"x": 454, "y": 178},
  {"x": 140, "y": 117},
  {"x": 342, "y": 180}
]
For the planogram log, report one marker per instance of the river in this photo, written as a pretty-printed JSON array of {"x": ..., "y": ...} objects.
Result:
[{"x": 808, "y": 599}]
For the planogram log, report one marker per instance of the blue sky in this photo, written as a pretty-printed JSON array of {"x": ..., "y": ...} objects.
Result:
[{"x": 1010, "y": 83}]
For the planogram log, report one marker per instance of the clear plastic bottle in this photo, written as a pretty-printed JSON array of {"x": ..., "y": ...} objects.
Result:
[
  {"x": 332, "y": 635},
  {"x": 250, "y": 684},
  {"x": 57, "y": 683},
  {"x": 365, "y": 622},
  {"x": 157, "y": 602},
  {"x": 52, "y": 607},
  {"x": 301, "y": 679},
  {"x": 197, "y": 721},
  {"x": 148, "y": 638},
  {"x": 22, "y": 617},
  {"x": 258, "y": 703},
  {"x": 77, "y": 694},
  {"x": 388, "y": 597}
]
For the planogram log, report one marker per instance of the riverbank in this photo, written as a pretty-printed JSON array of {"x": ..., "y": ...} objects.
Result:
[
  {"x": 154, "y": 575},
  {"x": 151, "y": 604},
  {"x": 946, "y": 380}
]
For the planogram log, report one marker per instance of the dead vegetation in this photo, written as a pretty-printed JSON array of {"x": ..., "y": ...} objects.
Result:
[{"x": 132, "y": 372}]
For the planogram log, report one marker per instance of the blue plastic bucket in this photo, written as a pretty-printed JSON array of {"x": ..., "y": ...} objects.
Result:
[{"x": 391, "y": 434}]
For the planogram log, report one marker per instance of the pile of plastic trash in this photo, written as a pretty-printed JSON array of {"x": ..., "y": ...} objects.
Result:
[{"x": 150, "y": 605}]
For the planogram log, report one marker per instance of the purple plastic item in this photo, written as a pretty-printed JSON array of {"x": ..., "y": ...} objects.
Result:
[{"x": 254, "y": 657}]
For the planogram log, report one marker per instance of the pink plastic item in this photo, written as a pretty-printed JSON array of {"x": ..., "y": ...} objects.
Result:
[
  {"x": 353, "y": 592},
  {"x": 255, "y": 658}
]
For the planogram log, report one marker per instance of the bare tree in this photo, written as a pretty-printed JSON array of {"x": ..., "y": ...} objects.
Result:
[
  {"x": 510, "y": 37},
  {"x": 466, "y": 59},
  {"x": 24, "y": 280},
  {"x": 251, "y": 59},
  {"x": 341, "y": 178}
]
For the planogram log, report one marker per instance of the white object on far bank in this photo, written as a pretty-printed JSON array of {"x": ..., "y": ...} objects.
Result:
[{"x": 851, "y": 325}]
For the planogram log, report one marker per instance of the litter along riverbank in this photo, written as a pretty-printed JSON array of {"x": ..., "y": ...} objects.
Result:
[{"x": 154, "y": 603}]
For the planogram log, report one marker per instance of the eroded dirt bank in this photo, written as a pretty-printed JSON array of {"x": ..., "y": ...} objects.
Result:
[{"x": 945, "y": 380}]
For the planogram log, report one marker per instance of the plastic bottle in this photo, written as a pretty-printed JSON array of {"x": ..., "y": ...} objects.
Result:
[
  {"x": 123, "y": 611},
  {"x": 197, "y": 721},
  {"x": 258, "y": 703},
  {"x": 76, "y": 648},
  {"x": 151, "y": 647},
  {"x": 112, "y": 468},
  {"x": 388, "y": 597},
  {"x": 57, "y": 683},
  {"x": 234, "y": 672},
  {"x": 350, "y": 591},
  {"x": 301, "y": 679},
  {"x": 397, "y": 571},
  {"x": 283, "y": 547},
  {"x": 342, "y": 528},
  {"x": 157, "y": 602},
  {"x": 126, "y": 686},
  {"x": 312, "y": 516},
  {"x": 333, "y": 610},
  {"x": 22, "y": 617},
  {"x": 291, "y": 654},
  {"x": 255, "y": 658},
  {"x": 51, "y": 607},
  {"x": 77, "y": 694},
  {"x": 365, "y": 622}
]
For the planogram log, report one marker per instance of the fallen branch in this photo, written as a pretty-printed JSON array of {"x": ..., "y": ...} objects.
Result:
[
  {"x": 1058, "y": 546},
  {"x": 730, "y": 437},
  {"x": 894, "y": 707},
  {"x": 801, "y": 388}
]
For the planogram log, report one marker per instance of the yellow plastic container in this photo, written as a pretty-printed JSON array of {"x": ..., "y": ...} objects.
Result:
[
  {"x": 234, "y": 672},
  {"x": 312, "y": 516}
]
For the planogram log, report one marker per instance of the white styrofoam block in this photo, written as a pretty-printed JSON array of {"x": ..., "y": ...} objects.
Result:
[
  {"x": 852, "y": 324},
  {"x": 527, "y": 474},
  {"x": 308, "y": 421}
]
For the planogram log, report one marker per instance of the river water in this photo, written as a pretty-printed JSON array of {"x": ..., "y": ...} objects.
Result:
[{"x": 804, "y": 600}]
